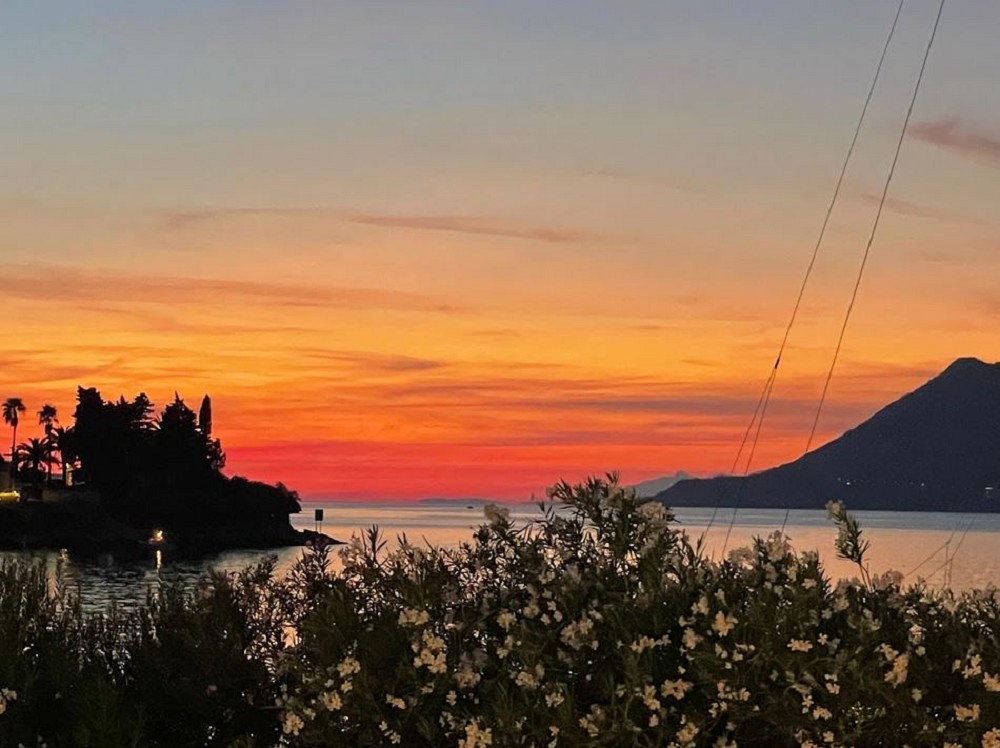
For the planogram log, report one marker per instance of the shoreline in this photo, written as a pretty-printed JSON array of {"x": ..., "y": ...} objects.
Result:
[{"x": 83, "y": 526}]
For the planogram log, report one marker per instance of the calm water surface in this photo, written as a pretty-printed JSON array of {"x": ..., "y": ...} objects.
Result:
[{"x": 910, "y": 542}]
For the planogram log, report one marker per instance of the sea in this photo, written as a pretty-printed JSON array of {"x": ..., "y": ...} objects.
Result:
[{"x": 960, "y": 550}]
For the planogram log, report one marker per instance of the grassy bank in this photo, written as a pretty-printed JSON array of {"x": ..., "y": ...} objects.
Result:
[{"x": 600, "y": 627}]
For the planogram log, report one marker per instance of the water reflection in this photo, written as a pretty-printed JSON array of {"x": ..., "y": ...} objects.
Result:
[{"x": 913, "y": 543}]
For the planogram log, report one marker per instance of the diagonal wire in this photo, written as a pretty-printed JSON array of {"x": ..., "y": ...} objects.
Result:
[
  {"x": 769, "y": 385},
  {"x": 764, "y": 394},
  {"x": 874, "y": 230}
]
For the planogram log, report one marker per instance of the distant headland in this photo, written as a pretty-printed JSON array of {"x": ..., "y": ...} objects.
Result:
[{"x": 125, "y": 477}]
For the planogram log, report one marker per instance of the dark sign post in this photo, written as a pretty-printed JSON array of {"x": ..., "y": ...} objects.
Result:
[{"x": 318, "y": 516}]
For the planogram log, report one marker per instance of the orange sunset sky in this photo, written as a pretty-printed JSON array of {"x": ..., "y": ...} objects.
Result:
[{"x": 468, "y": 249}]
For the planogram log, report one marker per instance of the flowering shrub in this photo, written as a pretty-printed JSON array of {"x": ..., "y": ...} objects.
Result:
[
  {"x": 600, "y": 625},
  {"x": 603, "y": 626}
]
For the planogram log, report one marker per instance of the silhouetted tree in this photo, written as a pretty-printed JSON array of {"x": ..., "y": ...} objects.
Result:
[
  {"x": 12, "y": 409},
  {"x": 33, "y": 455},
  {"x": 166, "y": 471},
  {"x": 48, "y": 418},
  {"x": 62, "y": 442},
  {"x": 205, "y": 417},
  {"x": 112, "y": 442}
]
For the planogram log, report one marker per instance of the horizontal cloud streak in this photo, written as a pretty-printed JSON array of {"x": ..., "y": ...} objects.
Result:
[
  {"x": 482, "y": 226},
  {"x": 377, "y": 362},
  {"x": 76, "y": 285},
  {"x": 456, "y": 224},
  {"x": 951, "y": 133},
  {"x": 919, "y": 210}
]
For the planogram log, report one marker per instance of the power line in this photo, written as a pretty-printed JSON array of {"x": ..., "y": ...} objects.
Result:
[
  {"x": 769, "y": 384},
  {"x": 874, "y": 230},
  {"x": 746, "y": 435},
  {"x": 875, "y": 224}
]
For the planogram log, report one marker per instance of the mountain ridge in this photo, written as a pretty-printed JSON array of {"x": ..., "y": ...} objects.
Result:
[{"x": 936, "y": 448}]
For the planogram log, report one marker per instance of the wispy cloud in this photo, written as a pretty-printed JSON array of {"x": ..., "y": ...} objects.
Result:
[
  {"x": 88, "y": 286},
  {"x": 182, "y": 219},
  {"x": 484, "y": 226},
  {"x": 377, "y": 362},
  {"x": 456, "y": 224},
  {"x": 951, "y": 133},
  {"x": 920, "y": 210}
]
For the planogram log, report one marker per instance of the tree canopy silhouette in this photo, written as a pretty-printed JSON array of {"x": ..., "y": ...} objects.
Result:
[
  {"x": 12, "y": 409},
  {"x": 164, "y": 469}
]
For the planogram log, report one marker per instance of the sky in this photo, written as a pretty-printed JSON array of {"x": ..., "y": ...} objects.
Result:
[{"x": 471, "y": 249}]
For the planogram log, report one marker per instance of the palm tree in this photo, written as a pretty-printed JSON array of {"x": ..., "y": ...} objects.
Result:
[
  {"x": 47, "y": 417},
  {"x": 34, "y": 453},
  {"x": 12, "y": 409}
]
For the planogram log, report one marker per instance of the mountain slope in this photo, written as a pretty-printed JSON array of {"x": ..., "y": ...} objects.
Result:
[
  {"x": 649, "y": 488},
  {"x": 935, "y": 449}
]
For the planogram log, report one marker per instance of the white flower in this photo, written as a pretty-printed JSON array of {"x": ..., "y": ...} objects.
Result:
[
  {"x": 413, "y": 617},
  {"x": 799, "y": 645},
  {"x": 6, "y": 696},
  {"x": 967, "y": 713},
  {"x": 530, "y": 680},
  {"x": 777, "y": 546},
  {"x": 476, "y": 737},
  {"x": 723, "y": 624},
  {"x": 348, "y": 666},
  {"x": 430, "y": 652},
  {"x": 575, "y": 634},
  {"x": 292, "y": 723},
  {"x": 897, "y": 675},
  {"x": 676, "y": 688},
  {"x": 591, "y": 722},
  {"x": 331, "y": 701},
  {"x": 974, "y": 667},
  {"x": 690, "y": 639},
  {"x": 686, "y": 734}
]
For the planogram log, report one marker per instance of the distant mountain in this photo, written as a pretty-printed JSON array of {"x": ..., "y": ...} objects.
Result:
[
  {"x": 935, "y": 449},
  {"x": 649, "y": 488},
  {"x": 472, "y": 501}
]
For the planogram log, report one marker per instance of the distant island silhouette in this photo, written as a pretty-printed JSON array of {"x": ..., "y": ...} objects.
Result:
[
  {"x": 448, "y": 501},
  {"x": 131, "y": 477},
  {"x": 935, "y": 449}
]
